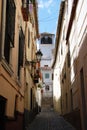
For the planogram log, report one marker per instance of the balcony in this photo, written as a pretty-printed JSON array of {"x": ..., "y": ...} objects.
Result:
[
  {"x": 36, "y": 78},
  {"x": 26, "y": 8}
]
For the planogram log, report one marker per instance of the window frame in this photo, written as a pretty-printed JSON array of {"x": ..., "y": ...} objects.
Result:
[{"x": 47, "y": 75}]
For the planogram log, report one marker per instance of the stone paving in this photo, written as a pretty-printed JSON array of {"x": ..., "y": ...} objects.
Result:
[{"x": 49, "y": 120}]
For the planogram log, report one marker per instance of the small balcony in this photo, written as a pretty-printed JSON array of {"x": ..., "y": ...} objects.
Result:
[
  {"x": 25, "y": 9},
  {"x": 36, "y": 78}
]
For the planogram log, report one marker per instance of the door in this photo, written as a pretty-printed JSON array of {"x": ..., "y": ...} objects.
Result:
[
  {"x": 2, "y": 112},
  {"x": 83, "y": 97}
]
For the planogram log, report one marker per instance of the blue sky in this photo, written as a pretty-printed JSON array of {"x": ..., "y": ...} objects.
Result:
[{"x": 48, "y": 11}]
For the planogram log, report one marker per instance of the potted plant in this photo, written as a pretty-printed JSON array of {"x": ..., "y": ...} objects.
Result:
[{"x": 39, "y": 86}]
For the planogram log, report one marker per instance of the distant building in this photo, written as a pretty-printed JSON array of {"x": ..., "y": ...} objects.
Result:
[{"x": 46, "y": 46}]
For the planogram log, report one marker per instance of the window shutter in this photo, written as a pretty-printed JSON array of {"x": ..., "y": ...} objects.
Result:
[
  {"x": 21, "y": 51},
  {"x": 21, "y": 47},
  {"x": 10, "y": 20}
]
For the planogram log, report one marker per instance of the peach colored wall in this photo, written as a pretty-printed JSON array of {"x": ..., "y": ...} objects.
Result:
[
  {"x": 9, "y": 86},
  {"x": 30, "y": 55},
  {"x": 7, "y": 91}
]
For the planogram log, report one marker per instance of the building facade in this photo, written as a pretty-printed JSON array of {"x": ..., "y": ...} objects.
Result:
[
  {"x": 18, "y": 34},
  {"x": 12, "y": 37},
  {"x": 31, "y": 67},
  {"x": 70, "y": 61},
  {"x": 46, "y": 46}
]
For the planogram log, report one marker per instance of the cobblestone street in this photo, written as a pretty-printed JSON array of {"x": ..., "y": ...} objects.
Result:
[{"x": 49, "y": 120}]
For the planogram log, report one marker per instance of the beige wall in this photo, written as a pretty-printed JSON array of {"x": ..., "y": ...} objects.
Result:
[
  {"x": 9, "y": 84},
  {"x": 31, "y": 34},
  {"x": 60, "y": 59}
]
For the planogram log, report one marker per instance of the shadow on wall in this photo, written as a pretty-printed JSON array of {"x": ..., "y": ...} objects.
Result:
[
  {"x": 30, "y": 115},
  {"x": 73, "y": 88},
  {"x": 76, "y": 92},
  {"x": 80, "y": 69}
]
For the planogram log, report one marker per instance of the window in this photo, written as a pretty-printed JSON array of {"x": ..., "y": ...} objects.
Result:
[
  {"x": 71, "y": 99},
  {"x": 46, "y": 40},
  {"x": 66, "y": 101},
  {"x": 43, "y": 40},
  {"x": 64, "y": 33},
  {"x": 47, "y": 87},
  {"x": 15, "y": 107},
  {"x": 52, "y": 76},
  {"x": 83, "y": 96},
  {"x": 49, "y": 40},
  {"x": 10, "y": 19},
  {"x": 45, "y": 65},
  {"x": 82, "y": 89},
  {"x": 10, "y": 28},
  {"x": 28, "y": 38},
  {"x": 21, "y": 51},
  {"x": 68, "y": 58},
  {"x": 31, "y": 99},
  {"x": 47, "y": 75},
  {"x": 61, "y": 50}
]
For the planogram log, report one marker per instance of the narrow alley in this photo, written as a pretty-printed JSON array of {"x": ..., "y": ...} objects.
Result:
[
  {"x": 49, "y": 120},
  {"x": 43, "y": 64}
]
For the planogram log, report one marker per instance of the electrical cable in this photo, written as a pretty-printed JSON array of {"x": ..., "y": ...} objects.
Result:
[
  {"x": 48, "y": 20},
  {"x": 48, "y": 17}
]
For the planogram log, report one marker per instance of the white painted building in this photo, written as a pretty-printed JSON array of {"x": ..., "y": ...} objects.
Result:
[
  {"x": 46, "y": 45},
  {"x": 70, "y": 63}
]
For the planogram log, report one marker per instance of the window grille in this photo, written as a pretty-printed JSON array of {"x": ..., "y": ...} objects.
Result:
[{"x": 47, "y": 76}]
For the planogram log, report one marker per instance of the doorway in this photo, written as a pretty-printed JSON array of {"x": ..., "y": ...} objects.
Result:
[
  {"x": 83, "y": 96},
  {"x": 2, "y": 112},
  {"x": 31, "y": 99}
]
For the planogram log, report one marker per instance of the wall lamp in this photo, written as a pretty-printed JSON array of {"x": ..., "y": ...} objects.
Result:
[{"x": 38, "y": 58}]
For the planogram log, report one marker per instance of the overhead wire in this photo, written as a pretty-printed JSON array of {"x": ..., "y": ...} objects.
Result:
[{"x": 49, "y": 18}]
